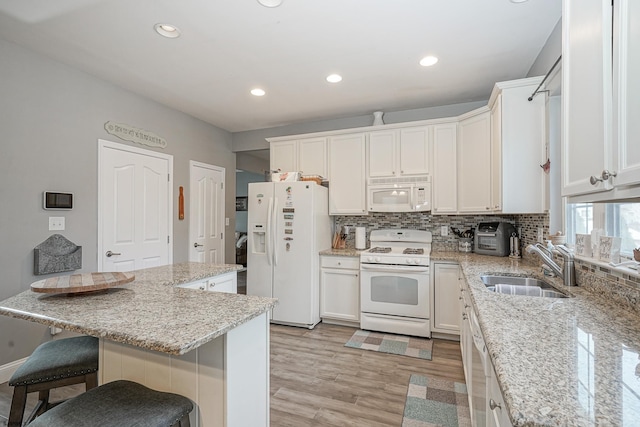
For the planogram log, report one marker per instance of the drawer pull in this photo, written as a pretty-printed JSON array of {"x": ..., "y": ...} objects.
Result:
[{"x": 493, "y": 405}]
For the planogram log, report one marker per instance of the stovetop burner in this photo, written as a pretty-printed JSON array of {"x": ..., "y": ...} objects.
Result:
[
  {"x": 413, "y": 251},
  {"x": 380, "y": 250}
]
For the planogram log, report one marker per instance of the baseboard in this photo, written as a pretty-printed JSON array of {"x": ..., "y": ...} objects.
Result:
[{"x": 7, "y": 370}]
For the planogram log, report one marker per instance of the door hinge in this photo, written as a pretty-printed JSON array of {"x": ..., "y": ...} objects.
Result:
[
  {"x": 222, "y": 185},
  {"x": 168, "y": 177},
  {"x": 168, "y": 239},
  {"x": 221, "y": 236}
]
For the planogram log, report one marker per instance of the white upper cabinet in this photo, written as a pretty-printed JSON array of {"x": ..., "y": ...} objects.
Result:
[
  {"x": 600, "y": 142},
  {"x": 626, "y": 107},
  {"x": 347, "y": 191},
  {"x": 474, "y": 162},
  {"x": 312, "y": 156},
  {"x": 382, "y": 154},
  {"x": 308, "y": 156},
  {"x": 518, "y": 147},
  {"x": 399, "y": 152},
  {"x": 284, "y": 156},
  {"x": 445, "y": 194},
  {"x": 586, "y": 94},
  {"x": 415, "y": 154}
]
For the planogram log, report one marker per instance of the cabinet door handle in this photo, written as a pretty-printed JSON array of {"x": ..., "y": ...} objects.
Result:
[
  {"x": 603, "y": 177},
  {"x": 493, "y": 405}
]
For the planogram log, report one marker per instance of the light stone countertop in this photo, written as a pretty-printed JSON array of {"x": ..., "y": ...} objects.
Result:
[
  {"x": 350, "y": 252},
  {"x": 559, "y": 362},
  {"x": 151, "y": 312}
]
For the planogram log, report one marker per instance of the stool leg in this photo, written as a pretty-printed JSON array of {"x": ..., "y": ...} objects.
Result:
[
  {"x": 18, "y": 404},
  {"x": 91, "y": 381}
]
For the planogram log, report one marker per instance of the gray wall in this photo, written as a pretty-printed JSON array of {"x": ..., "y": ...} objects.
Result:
[
  {"x": 51, "y": 117},
  {"x": 255, "y": 139}
]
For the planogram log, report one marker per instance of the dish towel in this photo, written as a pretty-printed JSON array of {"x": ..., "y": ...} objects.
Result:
[{"x": 533, "y": 291}]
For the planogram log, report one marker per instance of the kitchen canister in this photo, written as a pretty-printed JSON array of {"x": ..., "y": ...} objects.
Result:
[
  {"x": 361, "y": 238},
  {"x": 465, "y": 244}
]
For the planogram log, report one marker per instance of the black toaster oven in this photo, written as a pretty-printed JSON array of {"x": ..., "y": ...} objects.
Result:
[{"x": 492, "y": 238}]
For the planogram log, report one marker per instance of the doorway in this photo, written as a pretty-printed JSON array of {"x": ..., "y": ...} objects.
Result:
[
  {"x": 206, "y": 213},
  {"x": 135, "y": 187}
]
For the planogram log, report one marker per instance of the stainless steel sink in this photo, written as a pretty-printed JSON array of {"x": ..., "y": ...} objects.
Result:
[{"x": 515, "y": 285}]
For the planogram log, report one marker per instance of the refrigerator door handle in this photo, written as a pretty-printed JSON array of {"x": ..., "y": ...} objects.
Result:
[
  {"x": 275, "y": 231},
  {"x": 268, "y": 233}
]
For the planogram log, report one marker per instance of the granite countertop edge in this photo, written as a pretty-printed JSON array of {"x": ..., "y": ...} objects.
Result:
[
  {"x": 517, "y": 329},
  {"x": 125, "y": 319}
]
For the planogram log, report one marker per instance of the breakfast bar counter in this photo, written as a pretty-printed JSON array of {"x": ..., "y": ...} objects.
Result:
[
  {"x": 558, "y": 361},
  {"x": 212, "y": 347}
]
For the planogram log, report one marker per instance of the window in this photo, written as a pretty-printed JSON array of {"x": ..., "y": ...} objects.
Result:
[{"x": 616, "y": 219}]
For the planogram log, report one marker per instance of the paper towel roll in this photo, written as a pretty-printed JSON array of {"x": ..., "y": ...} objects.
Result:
[{"x": 361, "y": 238}]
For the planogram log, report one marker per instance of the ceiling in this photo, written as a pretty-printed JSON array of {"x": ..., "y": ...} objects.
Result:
[{"x": 228, "y": 47}]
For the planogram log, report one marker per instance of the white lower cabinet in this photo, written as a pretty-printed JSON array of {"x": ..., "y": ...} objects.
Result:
[
  {"x": 486, "y": 402},
  {"x": 340, "y": 289},
  {"x": 497, "y": 410},
  {"x": 227, "y": 282},
  {"x": 446, "y": 293}
]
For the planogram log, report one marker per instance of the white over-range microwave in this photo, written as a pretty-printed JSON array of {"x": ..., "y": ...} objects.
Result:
[{"x": 404, "y": 194}]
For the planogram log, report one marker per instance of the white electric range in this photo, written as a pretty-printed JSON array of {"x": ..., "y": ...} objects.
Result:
[{"x": 394, "y": 282}]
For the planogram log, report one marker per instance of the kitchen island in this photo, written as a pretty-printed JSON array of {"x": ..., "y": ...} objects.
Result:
[
  {"x": 211, "y": 347},
  {"x": 558, "y": 361}
]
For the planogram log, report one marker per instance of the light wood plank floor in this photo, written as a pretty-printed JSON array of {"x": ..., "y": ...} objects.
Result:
[{"x": 316, "y": 381}]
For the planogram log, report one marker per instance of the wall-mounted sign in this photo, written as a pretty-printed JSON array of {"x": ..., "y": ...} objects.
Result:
[{"x": 139, "y": 136}]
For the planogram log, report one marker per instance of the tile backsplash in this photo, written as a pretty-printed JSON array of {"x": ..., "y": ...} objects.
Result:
[{"x": 527, "y": 225}]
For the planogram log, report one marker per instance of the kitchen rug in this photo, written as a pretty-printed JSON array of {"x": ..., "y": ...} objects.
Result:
[
  {"x": 435, "y": 402},
  {"x": 392, "y": 343}
]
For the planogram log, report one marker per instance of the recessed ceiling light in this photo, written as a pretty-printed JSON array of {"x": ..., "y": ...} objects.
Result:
[
  {"x": 167, "y": 30},
  {"x": 334, "y": 78},
  {"x": 257, "y": 92},
  {"x": 518, "y": 1},
  {"x": 428, "y": 61},
  {"x": 270, "y": 3}
]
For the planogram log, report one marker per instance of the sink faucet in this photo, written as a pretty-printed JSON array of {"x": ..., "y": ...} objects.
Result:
[{"x": 546, "y": 254}]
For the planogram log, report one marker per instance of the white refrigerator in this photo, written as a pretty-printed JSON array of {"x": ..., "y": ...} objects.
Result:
[{"x": 288, "y": 225}]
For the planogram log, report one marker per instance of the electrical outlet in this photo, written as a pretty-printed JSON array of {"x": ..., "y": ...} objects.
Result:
[
  {"x": 540, "y": 235},
  {"x": 226, "y": 222},
  {"x": 56, "y": 223},
  {"x": 444, "y": 230}
]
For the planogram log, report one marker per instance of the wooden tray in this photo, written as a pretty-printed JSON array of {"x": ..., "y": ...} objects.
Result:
[{"x": 79, "y": 283}]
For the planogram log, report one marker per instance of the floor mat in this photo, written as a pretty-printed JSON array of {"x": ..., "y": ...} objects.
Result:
[
  {"x": 392, "y": 343},
  {"x": 435, "y": 402}
]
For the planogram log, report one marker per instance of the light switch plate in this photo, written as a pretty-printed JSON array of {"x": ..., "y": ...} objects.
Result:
[
  {"x": 444, "y": 230},
  {"x": 56, "y": 223}
]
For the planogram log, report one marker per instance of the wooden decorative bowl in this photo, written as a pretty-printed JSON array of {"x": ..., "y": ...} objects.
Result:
[
  {"x": 81, "y": 283},
  {"x": 636, "y": 254}
]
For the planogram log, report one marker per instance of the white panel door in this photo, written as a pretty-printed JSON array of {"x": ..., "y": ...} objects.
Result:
[
  {"x": 135, "y": 188},
  {"x": 206, "y": 213}
]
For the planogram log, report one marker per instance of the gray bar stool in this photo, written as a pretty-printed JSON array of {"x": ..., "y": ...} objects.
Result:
[
  {"x": 53, "y": 364},
  {"x": 119, "y": 404}
]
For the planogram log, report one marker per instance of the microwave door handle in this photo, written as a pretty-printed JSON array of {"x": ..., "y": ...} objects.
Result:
[{"x": 411, "y": 191}]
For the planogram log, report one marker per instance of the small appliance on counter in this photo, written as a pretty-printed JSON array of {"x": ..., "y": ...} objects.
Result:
[{"x": 493, "y": 238}]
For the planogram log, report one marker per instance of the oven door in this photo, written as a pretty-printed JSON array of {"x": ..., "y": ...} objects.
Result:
[{"x": 395, "y": 289}]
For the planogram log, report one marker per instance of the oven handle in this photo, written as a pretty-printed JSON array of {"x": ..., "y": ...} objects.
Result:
[{"x": 394, "y": 268}]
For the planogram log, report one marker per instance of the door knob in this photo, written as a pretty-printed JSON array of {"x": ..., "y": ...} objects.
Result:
[
  {"x": 197, "y": 245},
  {"x": 109, "y": 254}
]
